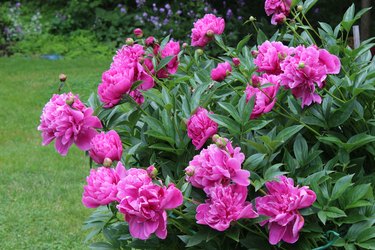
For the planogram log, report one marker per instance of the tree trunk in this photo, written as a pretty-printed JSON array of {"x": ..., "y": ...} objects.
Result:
[{"x": 365, "y": 21}]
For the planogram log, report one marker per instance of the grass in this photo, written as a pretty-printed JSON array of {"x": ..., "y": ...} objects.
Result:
[{"x": 40, "y": 191}]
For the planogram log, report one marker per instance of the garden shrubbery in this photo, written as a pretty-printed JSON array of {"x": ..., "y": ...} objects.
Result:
[{"x": 260, "y": 146}]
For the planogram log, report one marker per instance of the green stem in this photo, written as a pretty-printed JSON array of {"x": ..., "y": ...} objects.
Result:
[{"x": 250, "y": 230}]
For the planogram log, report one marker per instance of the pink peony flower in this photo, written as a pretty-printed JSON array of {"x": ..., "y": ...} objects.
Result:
[
  {"x": 138, "y": 32},
  {"x": 269, "y": 56},
  {"x": 125, "y": 70},
  {"x": 215, "y": 165},
  {"x": 280, "y": 9},
  {"x": 305, "y": 67},
  {"x": 170, "y": 49},
  {"x": 101, "y": 188},
  {"x": 281, "y": 206},
  {"x": 265, "y": 98},
  {"x": 221, "y": 71},
  {"x": 106, "y": 145},
  {"x": 200, "y": 127},
  {"x": 205, "y": 28},
  {"x": 224, "y": 205},
  {"x": 144, "y": 203},
  {"x": 150, "y": 40},
  {"x": 68, "y": 124}
]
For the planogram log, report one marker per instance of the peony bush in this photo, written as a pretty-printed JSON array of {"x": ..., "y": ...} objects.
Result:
[{"x": 265, "y": 146}]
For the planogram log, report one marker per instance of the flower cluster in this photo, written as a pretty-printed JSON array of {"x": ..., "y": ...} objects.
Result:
[
  {"x": 217, "y": 170},
  {"x": 200, "y": 127},
  {"x": 279, "y": 9},
  {"x": 66, "y": 119},
  {"x": 281, "y": 207},
  {"x": 298, "y": 69},
  {"x": 144, "y": 203}
]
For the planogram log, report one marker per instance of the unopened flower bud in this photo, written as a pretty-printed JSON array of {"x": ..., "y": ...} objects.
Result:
[
  {"x": 62, "y": 77},
  {"x": 70, "y": 100},
  {"x": 299, "y": 8},
  {"x": 189, "y": 171},
  {"x": 150, "y": 41},
  {"x": 199, "y": 52},
  {"x": 255, "y": 80},
  {"x": 210, "y": 33},
  {"x": 236, "y": 61},
  {"x": 152, "y": 171},
  {"x": 138, "y": 33},
  {"x": 227, "y": 73},
  {"x": 107, "y": 162},
  {"x": 221, "y": 142},
  {"x": 252, "y": 19},
  {"x": 184, "y": 45},
  {"x": 255, "y": 53},
  {"x": 129, "y": 41},
  {"x": 215, "y": 138},
  {"x": 301, "y": 65}
]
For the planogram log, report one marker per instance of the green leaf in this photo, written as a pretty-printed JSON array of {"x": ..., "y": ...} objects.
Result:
[
  {"x": 254, "y": 161},
  {"x": 334, "y": 212},
  {"x": 225, "y": 122},
  {"x": 102, "y": 246},
  {"x": 322, "y": 217},
  {"x": 163, "y": 62},
  {"x": 261, "y": 37},
  {"x": 300, "y": 149},
  {"x": 196, "y": 239},
  {"x": 288, "y": 132},
  {"x": 242, "y": 43},
  {"x": 342, "y": 114},
  {"x": 273, "y": 172},
  {"x": 234, "y": 234},
  {"x": 247, "y": 108},
  {"x": 341, "y": 186},
  {"x": 308, "y": 4},
  {"x": 358, "y": 141},
  {"x": 231, "y": 110},
  {"x": 367, "y": 245}
]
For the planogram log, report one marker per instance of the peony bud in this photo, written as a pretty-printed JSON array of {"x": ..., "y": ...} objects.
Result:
[
  {"x": 299, "y": 8},
  {"x": 184, "y": 45},
  {"x": 227, "y": 72},
  {"x": 138, "y": 33},
  {"x": 152, "y": 171},
  {"x": 150, "y": 41},
  {"x": 129, "y": 41},
  {"x": 199, "y": 52},
  {"x": 70, "y": 100},
  {"x": 62, "y": 77},
  {"x": 252, "y": 19},
  {"x": 254, "y": 53},
  {"x": 236, "y": 61},
  {"x": 210, "y": 33},
  {"x": 107, "y": 162},
  {"x": 215, "y": 138},
  {"x": 189, "y": 171},
  {"x": 221, "y": 142},
  {"x": 255, "y": 80}
]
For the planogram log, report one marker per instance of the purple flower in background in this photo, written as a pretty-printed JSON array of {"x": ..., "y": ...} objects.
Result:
[
  {"x": 161, "y": 10},
  {"x": 166, "y": 21},
  {"x": 316, "y": 10},
  {"x": 167, "y": 6},
  {"x": 123, "y": 10},
  {"x": 239, "y": 18},
  {"x": 229, "y": 14},
  {"x": 241, "y": 3},
  {"x": 179, "y": 12},
  {"x": 140, "y": 3},
  {"x": 205, "y": 9},
  {"x": 154, "y": 8},
  {"x": 18, "y": 4},
  {"x": 144, "y": 14},
  {"x": 214, "y": 11},
  {"x": 119, "y": 5}
]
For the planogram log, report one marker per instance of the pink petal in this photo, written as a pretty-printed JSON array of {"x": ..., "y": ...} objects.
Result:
[
  {"x": 173, "y": 198},
  {"x": 276, "y": 233}
]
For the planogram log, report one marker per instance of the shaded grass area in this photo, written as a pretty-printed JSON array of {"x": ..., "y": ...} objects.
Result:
[{"x": 40, "y": 191}]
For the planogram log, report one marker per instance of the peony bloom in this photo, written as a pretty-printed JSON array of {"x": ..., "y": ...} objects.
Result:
[
  {"x": 221, "y": 71},
  {"x": 205, "y": 28},
  {"x": 224, "y": 205},
  {"x": 269, "y": 56},
  {"x": 265, "y": 98},
  {"x": 305, "y": 67},
  {"x": 281, "y": 206},
  {"x": 106, "y": 145},
  {"x": 144, "y": 203},
  {"x": 280, "y": 9},
  {"x": 200, "y": 127},
  {"x": 68, "y": 124},
  {"x": 217, "y": 165},
  {"x": 125, "y": 70},
  {"x": 101, "y": 188},
  {"x": 170, "y": 49}
]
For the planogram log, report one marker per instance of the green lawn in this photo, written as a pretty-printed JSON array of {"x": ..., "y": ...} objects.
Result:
[{"x": 40, "y": 191}]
